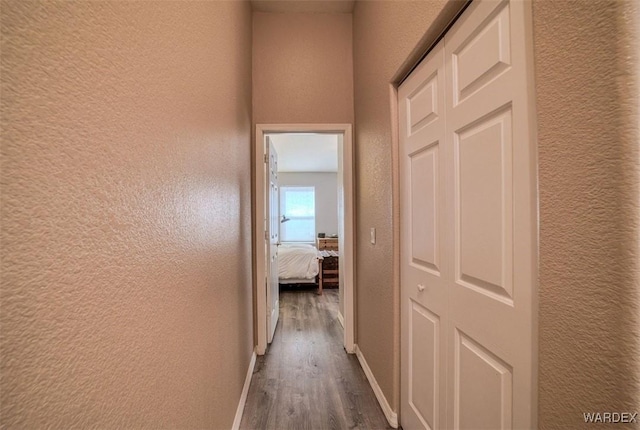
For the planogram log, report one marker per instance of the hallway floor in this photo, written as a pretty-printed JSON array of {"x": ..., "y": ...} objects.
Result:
[{"x": 306, "y": 380}]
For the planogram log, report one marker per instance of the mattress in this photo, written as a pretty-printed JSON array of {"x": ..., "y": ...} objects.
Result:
[{"x": 297, "y": 262}]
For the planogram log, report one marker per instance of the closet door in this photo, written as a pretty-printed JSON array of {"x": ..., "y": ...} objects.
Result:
[
  {"x": 490, "y": 331},
  {"x": 424, "y": 270},
  {"x": 468, "y": 234}
]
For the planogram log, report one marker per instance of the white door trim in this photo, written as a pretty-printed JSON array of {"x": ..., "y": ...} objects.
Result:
[{"x": 346, "y": 239}]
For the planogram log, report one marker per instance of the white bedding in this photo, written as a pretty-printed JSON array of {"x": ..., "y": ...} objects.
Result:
[{"x": 297, "y": 262}]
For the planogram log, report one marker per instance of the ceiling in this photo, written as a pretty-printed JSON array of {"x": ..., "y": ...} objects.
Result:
[
  {"x": 303, "y": 6},
  {"x": 306, "y": 152}
]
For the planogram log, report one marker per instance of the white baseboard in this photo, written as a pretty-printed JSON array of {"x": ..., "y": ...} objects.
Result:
[
  {"x": 392, "y": 417},
  {"x": 245, "y": 392},
  {"x": 341, "y": 319}
]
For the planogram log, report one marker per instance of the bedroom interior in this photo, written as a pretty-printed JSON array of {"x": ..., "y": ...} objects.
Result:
[
  {"x": 307, "y": 169},
  {"x": 300, "y": 224}
]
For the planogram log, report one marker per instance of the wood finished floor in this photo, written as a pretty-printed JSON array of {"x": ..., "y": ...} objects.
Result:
[{"x": 306, "y": 380}]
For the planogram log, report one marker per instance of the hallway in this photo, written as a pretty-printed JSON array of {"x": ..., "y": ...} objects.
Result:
[
  {"x": 129, "y": 247},
  {"x": 306, "y": 380}
]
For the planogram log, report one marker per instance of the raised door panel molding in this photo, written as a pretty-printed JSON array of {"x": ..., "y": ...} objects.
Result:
[
  {"x": 424, "y": 365},
  {"x": 483, "y": 387},
  {"x": 484, "y": 56},
  {"x": 425, "y": 247},
  {"x": 484, "y": 206}
]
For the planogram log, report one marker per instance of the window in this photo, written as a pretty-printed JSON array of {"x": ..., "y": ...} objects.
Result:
[{"x": 297, "y": 214}]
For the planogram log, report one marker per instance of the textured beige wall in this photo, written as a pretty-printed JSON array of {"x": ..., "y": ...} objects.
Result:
[
  {"x": 588, "y": 176},
  {"x": 385, "y": 33},
  {"x": 586, "y": 61},
  {"x": 302, "y": 68},
  {"x": 126, "y": 279}
]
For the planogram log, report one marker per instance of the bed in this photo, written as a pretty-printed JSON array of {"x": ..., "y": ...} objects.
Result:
[{"x": 298, "y": 264}]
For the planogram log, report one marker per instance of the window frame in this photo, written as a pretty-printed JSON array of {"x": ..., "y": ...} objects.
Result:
[{"x": 282, "y": 204}]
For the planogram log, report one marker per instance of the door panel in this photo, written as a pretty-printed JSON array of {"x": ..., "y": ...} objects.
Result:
[
  {"x": 273, "y": 238},
  {"x": 422, "y": 104},
  {"x": 483, "y": 56},
  {"x": 423, "y": 378},
  {"x": 423, "y": 294},
  {"x": 483, "y": 387},
  {"x": 425, "y": 251},
  {"x": 490, "y": 329},
  {"x": 468, "y": 227},
  {"x": 484, "y": 223}
]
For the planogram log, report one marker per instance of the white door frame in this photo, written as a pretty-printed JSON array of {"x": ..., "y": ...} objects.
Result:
[{"x": 345, "y": 225}]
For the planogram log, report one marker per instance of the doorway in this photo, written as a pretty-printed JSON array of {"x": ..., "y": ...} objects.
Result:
[{"x": 345, "y": 225}]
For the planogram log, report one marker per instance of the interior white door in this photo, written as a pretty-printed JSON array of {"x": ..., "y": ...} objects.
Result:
[
  {"x": 424, "y": 272},
  {"x": 489, "y": 119},
  {"x": 272, "y": 239},
  {"x": 486, "y": 258}
]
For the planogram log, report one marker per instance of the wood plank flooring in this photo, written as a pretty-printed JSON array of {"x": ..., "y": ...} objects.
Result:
[{"x": 306, "y": 380}]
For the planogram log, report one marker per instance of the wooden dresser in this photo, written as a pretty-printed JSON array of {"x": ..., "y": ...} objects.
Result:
[
  {"x": 329, "y": 265},
  {"x": 327, "y": 243}
]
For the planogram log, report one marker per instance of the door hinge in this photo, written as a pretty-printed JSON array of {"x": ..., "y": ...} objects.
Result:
[
  {"x": 266, "y": 158},
  {"x": 266, "y": 235}
]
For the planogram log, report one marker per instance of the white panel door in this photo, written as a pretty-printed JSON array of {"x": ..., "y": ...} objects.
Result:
[
  {"x": 424, "y": 271},
  {"x": 489, "y": 136},
  {"x": 272, "y": 240},
  {"x": 485, "y": 228}
]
